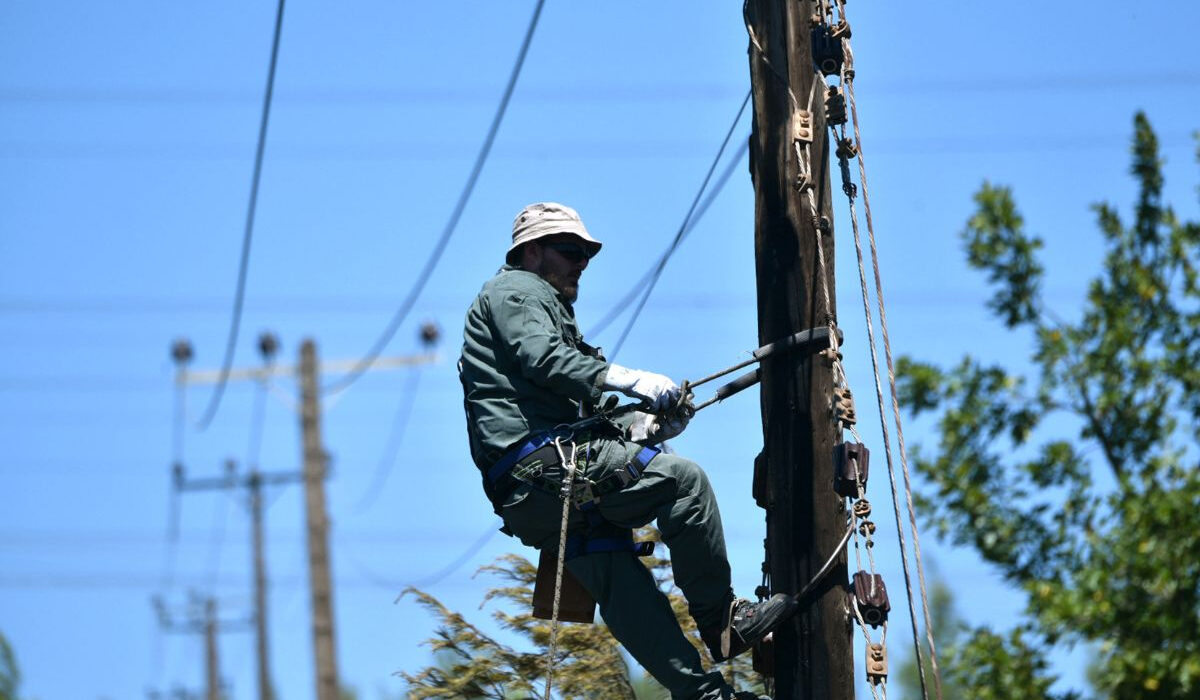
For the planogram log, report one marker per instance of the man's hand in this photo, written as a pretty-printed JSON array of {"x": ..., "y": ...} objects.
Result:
[
  {"x": 655, "y": 389},
  {"x": 649, "y": 429}
]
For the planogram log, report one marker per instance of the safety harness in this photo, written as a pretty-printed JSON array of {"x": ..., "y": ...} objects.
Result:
[{"x": 536, "y": 461}]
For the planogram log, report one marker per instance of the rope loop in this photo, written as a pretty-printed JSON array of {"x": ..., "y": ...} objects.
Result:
[{"x": 565, "y": 493}]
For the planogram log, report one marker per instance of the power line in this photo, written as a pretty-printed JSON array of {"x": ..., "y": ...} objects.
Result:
[
  {"x": 683, "y": 227},
  {"x": 645, "y": 92},
  {"x": 617, "y": 309},
  {"x": 463, "y": 197},
  {"x": 240, "y": 294},
  {"x": 392, "y": 445}
]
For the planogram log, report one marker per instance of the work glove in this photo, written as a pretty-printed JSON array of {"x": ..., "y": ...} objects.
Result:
[
  {"x": 658, "y": 391},
  {"x": 651, "y": 429}
]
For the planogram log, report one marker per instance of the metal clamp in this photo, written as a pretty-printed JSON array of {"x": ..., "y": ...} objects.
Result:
[
  {"x": 802, "y": 126},
  {"x": 877, "y": 663}
]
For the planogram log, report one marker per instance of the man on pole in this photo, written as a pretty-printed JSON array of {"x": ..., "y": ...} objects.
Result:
[{"x": 533, "y": 390}]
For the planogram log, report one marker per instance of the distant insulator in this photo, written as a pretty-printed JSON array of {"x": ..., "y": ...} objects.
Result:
[
  {"x": 268, "y": 345},
  {"x": 430, "y": 334},
  {"x": 181, "y": 351}
]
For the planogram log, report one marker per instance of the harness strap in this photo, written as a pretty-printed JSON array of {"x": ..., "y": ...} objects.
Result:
[
  {"x": 520, "y": 451},
  {"x": 609, "y": 539}
]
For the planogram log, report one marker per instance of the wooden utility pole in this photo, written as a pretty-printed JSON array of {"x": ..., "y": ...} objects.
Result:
[
  {"x": 313, "y": 476},
  {"x": 805, "y": 518},
  {"x": 320, "y": 580},
  {"x": 212, "y": 670},
  {"x": 200, "y": 618},
  {"x": 253, "y": 483}
]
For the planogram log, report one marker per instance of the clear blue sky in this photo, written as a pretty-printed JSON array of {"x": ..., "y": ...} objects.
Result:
[{"x": 127, "y": 135}]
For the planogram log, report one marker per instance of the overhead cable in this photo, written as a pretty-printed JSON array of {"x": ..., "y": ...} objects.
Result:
[
  {"x": 240, "y": 294},
  {"x": 392, "y": 445},
  {"x": 683, "y": 228},
  {"x": 617, "y": 309},
  {"x": 423, "y": 278}
]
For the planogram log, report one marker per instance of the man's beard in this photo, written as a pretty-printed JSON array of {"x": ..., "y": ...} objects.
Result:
[{"x": 566, "y": 287}]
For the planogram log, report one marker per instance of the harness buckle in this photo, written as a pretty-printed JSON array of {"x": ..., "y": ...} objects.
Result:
[{"x": 582, "y": 493}]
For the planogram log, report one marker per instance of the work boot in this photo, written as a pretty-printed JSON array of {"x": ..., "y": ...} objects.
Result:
[{"x": 746, "y": 624}]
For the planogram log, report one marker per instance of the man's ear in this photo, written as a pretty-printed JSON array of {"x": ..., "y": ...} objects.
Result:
[{"x": 531, "y": 257}]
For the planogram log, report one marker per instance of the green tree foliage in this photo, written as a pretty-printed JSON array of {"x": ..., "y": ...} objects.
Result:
[
  {"x": 589, "y": 662},
  {"x": 947, "y": 632},
  {"x": 10, "y": 674},
  {"x": 1076, "y": 474}
]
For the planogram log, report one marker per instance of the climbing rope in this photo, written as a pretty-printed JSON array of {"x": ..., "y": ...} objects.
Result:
[
  {"x": 565, "y": 495},
  {"x": 846, "y": 80}
]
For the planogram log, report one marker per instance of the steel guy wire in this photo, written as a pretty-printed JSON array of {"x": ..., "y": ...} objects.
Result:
[
  {"x": 431, "y": 263},
  {"x": 683, "y": 228},
  {"x": 872, "y": 347},
  {"x": 849, "y": 84},
  {"x": 240, "y": 293}
]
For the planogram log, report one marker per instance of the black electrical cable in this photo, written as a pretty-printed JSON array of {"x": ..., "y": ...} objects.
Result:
[
  {"x": 436, "y": 255},
  {"x": 683, "y": 228},
  {"x": 240, "y": 294},
  {"x": 392, "y": 446},
  {"x": 437, "y": 577},
  {"x": 621, "y": 306}
]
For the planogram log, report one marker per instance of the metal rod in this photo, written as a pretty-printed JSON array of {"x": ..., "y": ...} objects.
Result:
[{"x": 813, "y": 339}]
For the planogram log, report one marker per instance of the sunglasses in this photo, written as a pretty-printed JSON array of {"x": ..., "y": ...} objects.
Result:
[{"x": 571, "y": 252}]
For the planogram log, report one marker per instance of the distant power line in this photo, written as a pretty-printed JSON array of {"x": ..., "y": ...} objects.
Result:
[
  {"x": 649, "y": 92},
  {"x": 563, "y": 149},
  {"x": 464, "y": 196}
]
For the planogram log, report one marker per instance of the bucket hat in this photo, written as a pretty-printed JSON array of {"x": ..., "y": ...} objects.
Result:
[{"x": 547, "y": 219}]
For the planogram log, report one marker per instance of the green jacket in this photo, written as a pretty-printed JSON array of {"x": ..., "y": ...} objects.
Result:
[{"x": 524, "y": 366}]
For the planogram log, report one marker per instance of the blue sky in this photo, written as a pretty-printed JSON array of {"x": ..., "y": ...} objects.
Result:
[{"x": 127, "y": 135}]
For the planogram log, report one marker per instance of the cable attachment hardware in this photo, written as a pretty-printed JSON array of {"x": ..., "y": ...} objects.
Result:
[
  {"x": 802, "y": 126},
  {"x": 866, "y": 528},
  {"x": 841, "y": 30},
  {"x": 827, "y": 51},
  {"x": 877, "y": 664},
  {"x": 851, "y": 465},
  {"x": 862, "y": 508},
  {"x": 830, "y": 356},
  {"x": 848, "y": 187},
  {"x": 821, "y": 223},
  {"x": 870, "y": 598},
  {"x": 835, "y": 108},
  {"x": 843, "y": 406},
  {"x": 846, "y": 150}
]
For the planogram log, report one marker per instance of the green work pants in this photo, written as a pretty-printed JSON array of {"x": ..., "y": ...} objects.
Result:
[{"x": 676, "y": 493}]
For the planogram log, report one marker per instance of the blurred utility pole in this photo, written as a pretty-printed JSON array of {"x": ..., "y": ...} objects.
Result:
[
  {"x": 201, "y": 618},
  {"x": 320, "y": 580},
  {"x": 315, "y": 470},
  {"x": 813, "y": 655},
  {"x": 253, "y": 483}
]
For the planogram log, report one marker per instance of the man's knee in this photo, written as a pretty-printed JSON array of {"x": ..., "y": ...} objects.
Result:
[{"x": 690, "y": 477}]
